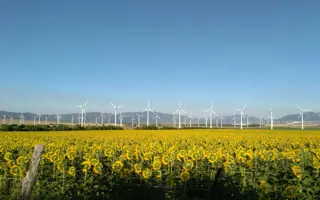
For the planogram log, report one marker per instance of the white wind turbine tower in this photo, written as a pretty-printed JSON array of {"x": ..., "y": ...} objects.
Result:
[
  {"x": 4, "y": 119},
  {"x": 221, "y": 118},
  {"x": 301, "y": 115},
  {"x": 206, "y": 121},
  {"x": 241, "y": 114},
  {"x": 179, "y": 110},
  {"x": 148, "y": 109},
  {"x": 198, "y": 120},
  {"x": 115, "y": 113},
  {"x": 58, "y": 118},
  {"x": 102, "y": 116},
  {"x": 234, "y": 120},
  {"x": 247, "y": 121},
  {"x": 83, "y": 111},
  {"x": 190, "y": 119},
  {"x": 97, "y": 117},
  {"x": 21, "y": 119},
  {"x": 185, "y": 121},
  {"x": 34, "y": 120},
  {"x": 72, "y": 118},
  {"x": 46, "y": 120},
  {"x": 11, "y": 120},
  {"x": 174, "y": 120},
  {"x": 132, "y": 120},
  {"x": 271, "y": 119},
  {"x": 260, "y": 121},
  {"x": 138, "y": 115},
  {"x": 121, "y": 118},
  {"x": 156, "y": 117},
  {"x": 39, "y": 115},
  {"x": 211, "y": 112},
  {"x": 79, "y": 119}
]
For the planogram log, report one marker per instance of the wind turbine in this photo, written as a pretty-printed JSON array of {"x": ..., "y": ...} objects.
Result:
[
  {"x": 39, "y": 115},
  {"x": 156, "y": 117},
  {"x": 72, "y": 118},
  {"x": 97, "y": 117},
  {"x": 139, "y": 118},
  {"x": 174, "y": 120},
  {"x": 241, "y": 113},
  {"x": 121, "y": 118},
  {"x": 206, "y": 122},
  {"x": 271, "y": 119},
  {"x": 221, "y": 118},
  {"x": 260, "y": 121},
  {"x": 21, "y": 119},
  {"x": 83, "y": 111},
  {"x": 190, "y": 118},
  {"x": 211, "y": 112},
  {"x": 247, "y": 120},
  {"x": 132, "y": 120},
  {"x": 148, "y": 109},
  {"x": 79, "y": 119},
  {"x": 102, "y": 116},
  {"x": 58, "y": 118},
  {"x": 46, "y": 120},
  {"x": 234, "y": 120},
  {"x": 115, "y": 113},
  {"x": 11, "y": 120},
  {"x": 301, "y": 115},
  {"x": 4, "y": 119},
  {"x": 199, "y": 121},
  {"x": 34, "y": 120},
  {"x": 179, "y": 110}
]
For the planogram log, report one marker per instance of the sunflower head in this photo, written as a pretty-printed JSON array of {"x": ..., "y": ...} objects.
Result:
[
  {"x": 20, "y": 160},
  {"x": 8, "y": 156},
  {"x": 158, "y": 174},
  {"x": 125, "y": 173},
  {"x": 187, "y": 165},
  {"x": 108, "y": 152},
  {"x": 86, "y": 165},
  {"x": 15, "y": 170},
  {"x": 97, "y": 168},
  {"x": 290, "y": 191},
  {"x": 72, "y": 171},
  {"x": 156, "y": 165},
  {"x": 117, "y": 166},
  {"x": 147, "y": 173},
  {"x": 185, "y": 176},
  {"x": 137, "y": 168}
]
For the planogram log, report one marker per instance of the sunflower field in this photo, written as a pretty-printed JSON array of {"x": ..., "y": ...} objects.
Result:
[{"x": 164, "y": 164}]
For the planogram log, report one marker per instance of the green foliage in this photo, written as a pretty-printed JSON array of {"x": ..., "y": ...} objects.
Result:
[
  {"x": 147, "y": 128},
  {"x": 59, "y": 127}
]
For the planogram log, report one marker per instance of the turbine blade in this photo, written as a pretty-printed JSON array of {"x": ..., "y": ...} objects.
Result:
[
  {"x": 85, "y": 104},
  {"x": 113, "y": 105},
  {"x": 244, "y": 107},
  {"x": 299, "y": 107}
]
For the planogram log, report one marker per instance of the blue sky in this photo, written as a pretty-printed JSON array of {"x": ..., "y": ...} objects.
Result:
[{"x": 54, "y": 55}]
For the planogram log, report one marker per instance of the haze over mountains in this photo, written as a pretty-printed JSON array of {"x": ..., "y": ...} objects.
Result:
[{"x": 127, "y": 117}]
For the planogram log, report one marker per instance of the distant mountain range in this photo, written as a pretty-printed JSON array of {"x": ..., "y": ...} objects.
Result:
[{"x": 127, "y": 118}]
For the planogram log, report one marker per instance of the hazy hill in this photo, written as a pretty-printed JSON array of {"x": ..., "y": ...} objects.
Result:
[{"x": 127, "y": 118}]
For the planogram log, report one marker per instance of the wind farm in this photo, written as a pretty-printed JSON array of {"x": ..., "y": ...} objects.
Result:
[
  {"x": 148, "y": 117},
  {"x": 162, "y": 100}
]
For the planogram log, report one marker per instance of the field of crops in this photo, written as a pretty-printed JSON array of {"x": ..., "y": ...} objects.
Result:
[{"x": 168, "y": 164}]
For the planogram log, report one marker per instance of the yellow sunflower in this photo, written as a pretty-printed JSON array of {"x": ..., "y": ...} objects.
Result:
[
  {"x": 137, "y": 168},
  {"x": 72, "y": 171},
  {"x": 185, "y": 176},
  {"x": 147, "y": 173},
  {"x": 156, "y": 165},
  {"x": 187, "y": 165},
  {"x": 117, "y": 166}
]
